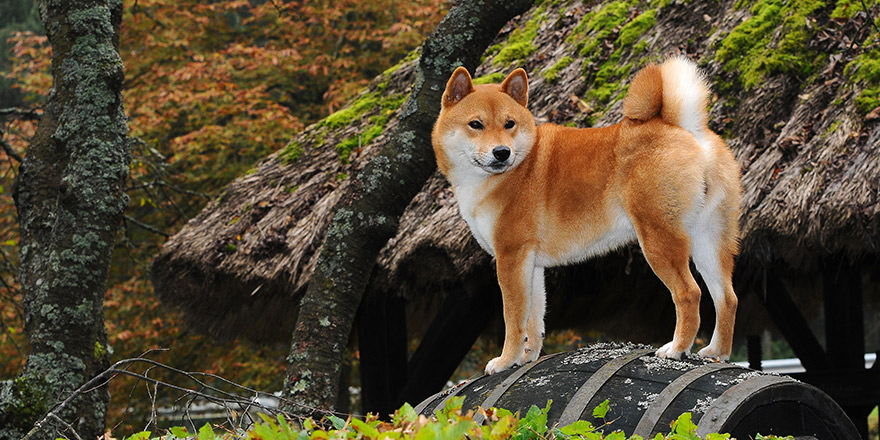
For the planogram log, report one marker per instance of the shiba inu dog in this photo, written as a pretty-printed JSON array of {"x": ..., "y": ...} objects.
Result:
[{"x": 541, "y": 196}]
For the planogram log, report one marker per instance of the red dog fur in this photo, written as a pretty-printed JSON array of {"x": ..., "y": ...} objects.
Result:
[{"x": 536, "y": 197}]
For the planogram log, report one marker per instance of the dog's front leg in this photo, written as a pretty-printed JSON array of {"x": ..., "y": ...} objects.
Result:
[
  {"x": 535, "y": 326},
  {"x": 515, "y": 275}
]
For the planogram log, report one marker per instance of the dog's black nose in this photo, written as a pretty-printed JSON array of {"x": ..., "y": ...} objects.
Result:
[{"x": 501, "y": 153}]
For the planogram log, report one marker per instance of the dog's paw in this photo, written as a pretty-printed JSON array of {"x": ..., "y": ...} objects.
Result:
[
  {"x": 499, "y": 364},
  {"x": 711, "y": 351},
  {"x": 529, "y": 355},
  {"x": 668, "y": 352}
]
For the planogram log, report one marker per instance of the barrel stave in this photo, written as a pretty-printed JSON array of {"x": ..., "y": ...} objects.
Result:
[
  {"x": 553, "y": 379},
  {"x": 697, "y": 397},
  {"x": 635, "y": 386}
]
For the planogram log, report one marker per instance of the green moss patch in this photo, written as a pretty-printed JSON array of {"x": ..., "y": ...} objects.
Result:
[
  {"x": 519, "y": 45},
  {"x": 357, "y": 108},
  {"x": 611, "y": 23},
  {"x": 865, "y": 69},
  {"x": 753, "y": 49},
  {"x": 387, "y": 107},
  {"x": 848, "y": 8},
  {"x": 491, "y": 78},
  {"x": 598, "y": 25},
  {"x": 551, "y": 74},
  {"x": 631, "y": 32},
  {"x": 291, "y": 152},
  {"x": 412, "y": 55}
]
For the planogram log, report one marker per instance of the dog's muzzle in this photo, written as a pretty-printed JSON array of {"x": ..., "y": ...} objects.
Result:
[{"x": 500, "y": 161}]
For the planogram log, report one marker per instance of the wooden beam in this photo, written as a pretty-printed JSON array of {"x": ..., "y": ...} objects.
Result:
[
  {"x": 844, "y": 321},
  {"x": 849, "y": 388},
  {"x": 791, "y": 322},
  {"x": 452, "y": 333}
]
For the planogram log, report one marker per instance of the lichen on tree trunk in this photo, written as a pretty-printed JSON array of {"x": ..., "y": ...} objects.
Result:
[
  {"x": 368, "y": 214},
  {"x": 70, "y": 197}
]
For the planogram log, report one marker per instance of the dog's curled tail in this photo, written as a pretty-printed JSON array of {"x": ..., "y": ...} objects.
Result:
[{"x": 676, "y": 90}]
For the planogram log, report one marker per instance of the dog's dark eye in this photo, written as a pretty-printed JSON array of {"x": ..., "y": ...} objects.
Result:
[
  {"x": 476, "y": 125},
  {"x": 509, "y": 124}
]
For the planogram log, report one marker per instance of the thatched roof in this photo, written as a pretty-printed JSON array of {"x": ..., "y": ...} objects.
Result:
[{"x": 809, "y": 158}]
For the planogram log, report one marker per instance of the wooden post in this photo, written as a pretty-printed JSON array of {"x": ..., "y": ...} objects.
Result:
[
  {"x": 845, "y": 329},
  {"x": 755, "y": 353},
  {"x": 844, "y": 321},
  {"x": 791, "y": 322},
  {"x": 382, "y": 343}
]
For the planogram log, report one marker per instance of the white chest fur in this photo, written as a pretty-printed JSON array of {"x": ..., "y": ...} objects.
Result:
[{"x": 470, "y": 192}]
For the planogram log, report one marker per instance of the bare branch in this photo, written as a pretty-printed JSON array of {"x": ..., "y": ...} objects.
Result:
[
  {"x": 22, "y": 113},
  {"x": 67, "y": 426},
  {"x": 233, "y": 403},
  {"x": 10, "y": 151},
  {"x": 145, "y": 226}
]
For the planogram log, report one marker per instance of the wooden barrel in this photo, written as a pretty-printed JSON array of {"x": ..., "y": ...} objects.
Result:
[{"x": 647, "y": 393}]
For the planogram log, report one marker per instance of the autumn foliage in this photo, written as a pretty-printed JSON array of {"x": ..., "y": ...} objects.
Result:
[{"x": 211, "y": 87}]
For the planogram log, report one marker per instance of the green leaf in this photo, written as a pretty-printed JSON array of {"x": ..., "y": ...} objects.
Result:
[
  {"x": 428, "y": 432},
  {"x": 143, "y": 435},
  {"x": 716, "y": 436},
  {"x": 301, "y": 435},
  {"x": 501, "y": 413},
  {"x": 457, "y": 431},
  {"x": 363, "y": 428},
  {"x": 601, "y": 410},
  {"x": 287, "y": 432},
  {"x": 206, "y": 432},
  {"x": 453, "y": 404},
  {"x": 336, "y": 421},
  {"x": 684, "y": 428},
  {"x": 503, "y": 428},
  {"x": 579, "y": 427},
  {"x": 533, "y": 425},
  {"x": 319, "y": 435},
  {"x": 265, "y": 430},
  {"x": 406, "y": 414},
  {"x": 616, "y": 435},
  {"x": 179, "y": 432}
]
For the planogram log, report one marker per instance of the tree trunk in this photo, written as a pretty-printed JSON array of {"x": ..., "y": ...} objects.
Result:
[
  {"x": 70, "y": 199},
  {"x": 368, "y": 214}
]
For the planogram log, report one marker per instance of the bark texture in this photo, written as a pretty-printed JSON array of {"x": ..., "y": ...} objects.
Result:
[
  {"x": 369, "y": 212},
  {"x": 70, "y": 198}
]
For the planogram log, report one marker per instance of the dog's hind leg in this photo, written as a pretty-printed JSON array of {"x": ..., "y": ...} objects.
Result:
[
  {"x": 712, "y": 251},
  {"x": 667, "y": 249}
]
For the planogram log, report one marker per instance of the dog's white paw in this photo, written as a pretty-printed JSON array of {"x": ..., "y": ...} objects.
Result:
[
  {"x": 499, "y": 364},
  {"x": 711, "y": 351},
  {"x": 668, "y": 352}
]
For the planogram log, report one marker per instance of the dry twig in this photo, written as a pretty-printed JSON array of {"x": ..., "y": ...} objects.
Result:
[{"x": 234, "y": 404}]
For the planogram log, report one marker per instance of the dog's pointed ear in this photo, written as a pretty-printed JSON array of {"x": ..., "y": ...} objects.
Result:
[
  {"x": 458, "y": 86},
  {"x": 517, "y": 86}
]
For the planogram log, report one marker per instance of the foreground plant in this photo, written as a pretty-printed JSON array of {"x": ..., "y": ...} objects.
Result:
[{"x": 449, "y": 424}]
